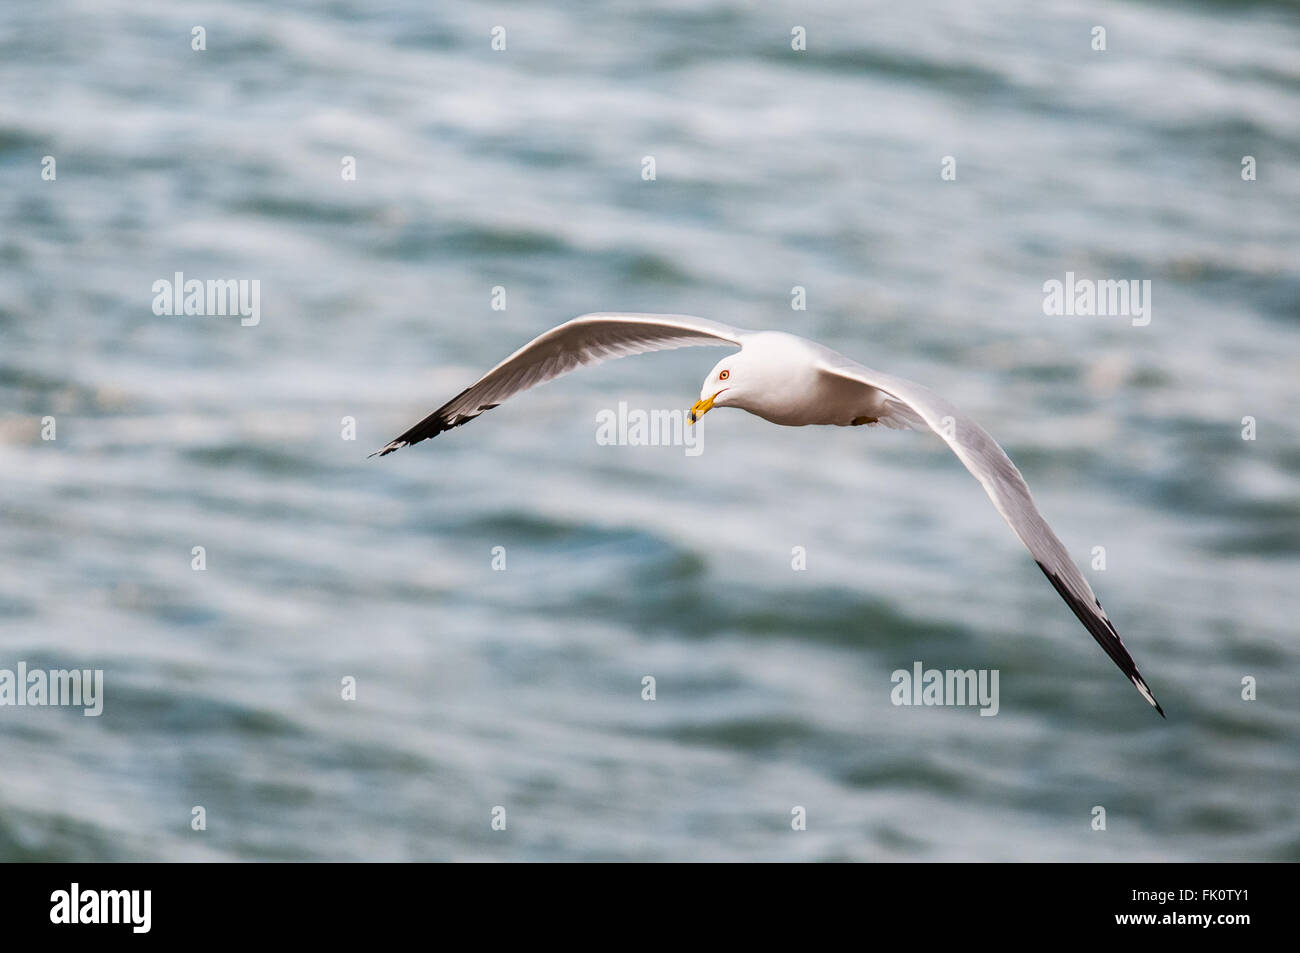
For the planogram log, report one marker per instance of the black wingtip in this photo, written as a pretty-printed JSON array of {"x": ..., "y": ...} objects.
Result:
[
  {"x": 1141, "y": 684},
  {"x": 1145, "y": 689},
  {"x": 1104, "y": 632},
  {"x": 1158, "y": 708},
  {"x": 385, "y": 451}
]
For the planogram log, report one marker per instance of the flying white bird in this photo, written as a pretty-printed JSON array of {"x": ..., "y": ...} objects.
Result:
[{"x": 795, "y": 382}]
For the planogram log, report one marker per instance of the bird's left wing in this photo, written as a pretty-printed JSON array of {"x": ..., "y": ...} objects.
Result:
[
  {"x": 588, "y": 339},
  {"x": 909, "y": 404}
]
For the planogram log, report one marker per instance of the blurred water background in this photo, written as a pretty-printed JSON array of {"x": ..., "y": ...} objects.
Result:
[{"x": 522, "y": 688}]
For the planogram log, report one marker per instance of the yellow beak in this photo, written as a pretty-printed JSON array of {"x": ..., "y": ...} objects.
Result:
[{"x": 700, "y": 408}]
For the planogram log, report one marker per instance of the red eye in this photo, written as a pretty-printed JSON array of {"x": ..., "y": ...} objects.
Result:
[{"x": 723, "y": 375}]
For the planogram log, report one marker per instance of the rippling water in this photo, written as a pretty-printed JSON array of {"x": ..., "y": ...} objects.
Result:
[{"x": 522, "y": 169}]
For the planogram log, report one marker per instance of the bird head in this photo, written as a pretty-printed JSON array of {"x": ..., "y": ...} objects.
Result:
[{"x": 721, "y": 388}]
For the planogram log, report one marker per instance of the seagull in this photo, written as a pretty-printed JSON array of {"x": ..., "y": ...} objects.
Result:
[{"x": 794, "y": 382}]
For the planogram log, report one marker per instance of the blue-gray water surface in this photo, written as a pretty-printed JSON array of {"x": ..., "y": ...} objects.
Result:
[{"x": 498, "y": 596}]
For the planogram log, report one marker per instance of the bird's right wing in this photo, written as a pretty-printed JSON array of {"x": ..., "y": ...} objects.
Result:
[{"x": 589, "y": 339}]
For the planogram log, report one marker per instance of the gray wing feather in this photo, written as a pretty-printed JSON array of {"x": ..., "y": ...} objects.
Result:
[
  {"x": 586, "y": 340},
  {"x": 905, "y": 402}
]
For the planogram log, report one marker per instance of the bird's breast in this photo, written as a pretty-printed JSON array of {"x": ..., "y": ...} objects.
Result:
[{"x": 809, "y": 400}]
